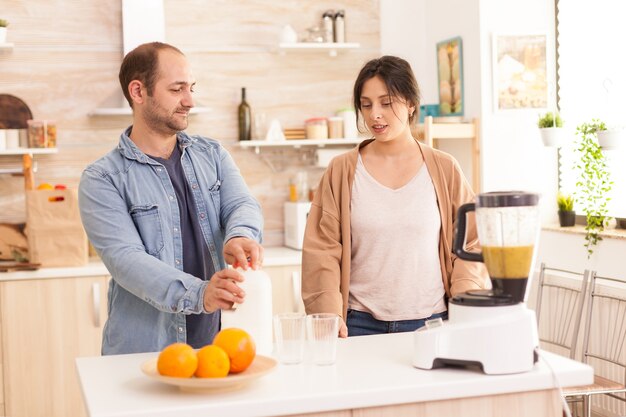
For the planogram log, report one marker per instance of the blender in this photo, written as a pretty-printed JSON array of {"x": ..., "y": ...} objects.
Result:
[{"x": 491, "y": 329}]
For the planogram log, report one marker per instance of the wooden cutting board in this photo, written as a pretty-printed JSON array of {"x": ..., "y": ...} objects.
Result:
[
  {"x": 13, "y": 112},
  {"x": 18, "y": 266}
]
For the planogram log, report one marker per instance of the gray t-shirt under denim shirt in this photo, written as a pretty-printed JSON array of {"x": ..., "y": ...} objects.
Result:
[
  {"x": 202, "y": 327},
  {"x": 129, "y": 209}
]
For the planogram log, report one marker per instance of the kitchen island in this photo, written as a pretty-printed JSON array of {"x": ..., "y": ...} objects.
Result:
[{"x": 373, "y": 376}]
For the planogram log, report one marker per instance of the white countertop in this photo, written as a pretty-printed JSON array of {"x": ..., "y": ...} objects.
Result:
[
  {"x": 370, "y": 371},
  {"x": 92, "y": 269},
  {"x": 273, "y": 256}
]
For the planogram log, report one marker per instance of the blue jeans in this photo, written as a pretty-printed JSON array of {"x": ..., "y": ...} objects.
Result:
[{"x": 362, "y": 324}]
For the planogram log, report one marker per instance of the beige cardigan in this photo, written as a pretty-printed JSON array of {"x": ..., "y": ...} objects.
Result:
[{"x": 326, "y": 253}]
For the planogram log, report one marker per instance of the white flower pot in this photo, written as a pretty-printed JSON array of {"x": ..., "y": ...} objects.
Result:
[
  {"x": 553, "y": 136},
  {"x": 3, "y": 35},
  {"x": 612, "y": 138}
]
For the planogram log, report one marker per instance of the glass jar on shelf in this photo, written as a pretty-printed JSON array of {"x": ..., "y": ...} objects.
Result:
[{"x": 316, "y": 128}]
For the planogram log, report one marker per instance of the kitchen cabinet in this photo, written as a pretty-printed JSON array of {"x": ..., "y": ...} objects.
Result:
[
  {"x": 46, "y": 324},
  {"x": 286, "y": 288},
  {"x": 283, "y": 265}
]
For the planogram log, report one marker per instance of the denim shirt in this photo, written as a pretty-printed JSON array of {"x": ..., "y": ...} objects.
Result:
[{"x": 131, "y": 216}]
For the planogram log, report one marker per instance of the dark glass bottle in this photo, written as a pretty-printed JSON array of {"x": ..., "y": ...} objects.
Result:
[{"x": 245, "y": 117}]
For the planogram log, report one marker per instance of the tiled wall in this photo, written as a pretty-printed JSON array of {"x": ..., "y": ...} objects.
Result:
[{"x": 67, "y": 54}]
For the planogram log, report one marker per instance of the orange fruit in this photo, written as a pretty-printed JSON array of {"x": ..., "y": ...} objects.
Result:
[
  {"x": 213, "y": 362},
  {"x": 239, "y": 346},
  {"x": 45, "y": 186},
  {"x": 177, "y": 360}
]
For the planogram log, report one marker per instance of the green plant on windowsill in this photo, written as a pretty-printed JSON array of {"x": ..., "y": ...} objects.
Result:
[
  {"x": 565, "y": 202},
  {"x": 567, "y": 215},
  {"x": 594, "y": 181},
  {"x": 3, "y": 23}
]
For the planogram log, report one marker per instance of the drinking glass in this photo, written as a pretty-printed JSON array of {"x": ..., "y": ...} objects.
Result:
[
  {"x": 322, "y": 330},
  {"x": 289, "y": 333}
]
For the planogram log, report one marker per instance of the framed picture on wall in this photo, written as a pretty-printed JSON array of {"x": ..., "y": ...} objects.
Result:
[
  {"x": 519, "y": 72},
  {"x": 450, "y": 76}
]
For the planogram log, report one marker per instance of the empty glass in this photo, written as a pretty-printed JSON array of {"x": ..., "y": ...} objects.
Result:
[
  {"x": 322, "y": 330},
  {"x": 289, "y": 332}
]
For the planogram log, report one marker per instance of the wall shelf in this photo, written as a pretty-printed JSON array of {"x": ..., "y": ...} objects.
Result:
[
  {"x": 433, "y": 132},
  {"x": 29, "y": 151},
  {"x": 331, "y": 47},
  {"x": 28, "y": 166},
  {"x": 127, "y": 111},
  {"x": 297, "y": 143},
  {"x": 429, "y": 131}
]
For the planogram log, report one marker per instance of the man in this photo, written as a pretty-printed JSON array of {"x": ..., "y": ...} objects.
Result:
[{"x": 166, "y": 211}]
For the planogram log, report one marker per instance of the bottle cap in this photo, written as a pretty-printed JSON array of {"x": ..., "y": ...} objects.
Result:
[{"x": 315, "y": 120}]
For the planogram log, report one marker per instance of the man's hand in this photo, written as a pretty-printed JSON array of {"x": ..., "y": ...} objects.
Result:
[
  {"x": 241, "y": 252},
  {"x": 223, "y": 290}
]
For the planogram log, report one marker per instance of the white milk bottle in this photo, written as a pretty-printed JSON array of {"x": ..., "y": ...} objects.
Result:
[{"x": 254, "y": 315}]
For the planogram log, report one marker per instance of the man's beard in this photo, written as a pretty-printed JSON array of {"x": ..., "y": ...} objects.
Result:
[{"x": 157, "y": 118}]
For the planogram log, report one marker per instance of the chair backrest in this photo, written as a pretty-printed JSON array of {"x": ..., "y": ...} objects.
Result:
[
  {"x": 560, "y": 299},
  {"x": 605, "y": 328}
]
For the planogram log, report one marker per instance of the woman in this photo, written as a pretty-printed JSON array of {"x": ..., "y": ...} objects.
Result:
[{"x": 378, "y": 242}]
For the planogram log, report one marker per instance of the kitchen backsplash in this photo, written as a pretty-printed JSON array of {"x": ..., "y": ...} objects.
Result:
[{"x": 70, "y": 68}]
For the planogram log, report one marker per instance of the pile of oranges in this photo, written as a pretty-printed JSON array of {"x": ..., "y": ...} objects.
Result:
[{"x": 232, "y": 351}]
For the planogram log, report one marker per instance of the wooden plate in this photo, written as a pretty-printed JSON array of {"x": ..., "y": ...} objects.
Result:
[
  {"x": 261, "y": 365},
  {"x": 13, "y": 112}
]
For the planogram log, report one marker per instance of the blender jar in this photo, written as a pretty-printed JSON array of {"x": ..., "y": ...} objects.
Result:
[{"x": 508, "y": 228}]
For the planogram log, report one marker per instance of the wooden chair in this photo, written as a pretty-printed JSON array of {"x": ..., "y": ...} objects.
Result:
[{"x": 604, "y": 339}]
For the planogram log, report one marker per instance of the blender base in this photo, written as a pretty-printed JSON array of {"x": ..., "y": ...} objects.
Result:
[{"x": 498, "y": 339}]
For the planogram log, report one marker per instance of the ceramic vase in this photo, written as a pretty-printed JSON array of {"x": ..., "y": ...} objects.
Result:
[
  {"x": 552, "y": 136},
  {"x": 611, "y": 139}
]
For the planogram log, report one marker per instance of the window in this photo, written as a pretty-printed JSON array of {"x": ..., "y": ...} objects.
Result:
[{"x": 592, "y": 81}]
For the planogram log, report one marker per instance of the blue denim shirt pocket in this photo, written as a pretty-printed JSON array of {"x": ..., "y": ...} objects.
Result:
[
  {"x": 148, "y": 222},
  {"x": 214, "y": 191}
]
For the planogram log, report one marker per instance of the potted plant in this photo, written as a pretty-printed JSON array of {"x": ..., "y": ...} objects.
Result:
[
  {"x": 567, "y": 215},
  {"x": 551, "y": 129},
  {"x": 611, "y": 138},
  {"x": 594, "y": 182},
  {"x": 3, "y": 30}
]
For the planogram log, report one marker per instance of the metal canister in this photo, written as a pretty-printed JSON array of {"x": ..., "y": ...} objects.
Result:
[
  {"x": 340, "y": 26},
  {"x": 327, "y": 25}
]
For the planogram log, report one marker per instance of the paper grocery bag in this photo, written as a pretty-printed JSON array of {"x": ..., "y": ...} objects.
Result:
[{"x": 55, "y": 232}]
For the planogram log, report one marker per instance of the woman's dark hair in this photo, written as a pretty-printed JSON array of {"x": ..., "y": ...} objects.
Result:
[
  {"x": 142, "y": 64},
  {"x": 397, "y": 75}
]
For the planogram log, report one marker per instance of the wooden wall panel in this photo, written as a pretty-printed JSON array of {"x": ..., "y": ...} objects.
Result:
[{"x": 67, "y": 55}]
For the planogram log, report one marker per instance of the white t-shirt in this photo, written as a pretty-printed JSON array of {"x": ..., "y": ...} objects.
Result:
[{"x": 395, "y": 271}]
